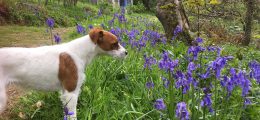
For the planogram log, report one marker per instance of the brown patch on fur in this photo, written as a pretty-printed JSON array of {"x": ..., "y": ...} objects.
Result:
[
  {"x": 68, "y": 72},
  {"x": 104, "y": 39}
]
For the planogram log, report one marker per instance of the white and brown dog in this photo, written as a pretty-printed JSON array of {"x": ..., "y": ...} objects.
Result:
[{"x": 58, "y": 67}]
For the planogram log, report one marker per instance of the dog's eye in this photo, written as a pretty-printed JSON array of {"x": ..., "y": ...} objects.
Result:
[{"x": 115, "y": 46}]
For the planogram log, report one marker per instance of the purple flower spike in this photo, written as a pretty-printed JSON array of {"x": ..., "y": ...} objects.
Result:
[
  {"x": 166, "y": 82},
  {"x": 166, "y": 63},
  {"x": 57, "y": 38},
  {"x": 255, "y": 70},
  {"x": 90, "y": 27},
  {"x": 159, "y": 104},
  {"x": 207, "y": 102},
  {"x": 182, "y": 112},
  {"x": 176, "y": 31},
  {"x": 81, "y": 29},
  {"x": 247, "y": 101},
  {"x": 149, "y": 61},
  {"x": 50, "y": 22},
  {"x": 199, "y": 40},
  {"x": 149, "y": 85}
]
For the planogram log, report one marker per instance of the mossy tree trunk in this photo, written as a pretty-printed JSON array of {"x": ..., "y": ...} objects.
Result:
[
  {"x": 248, "y": 21},
  {"x": 171, "y": 13}
]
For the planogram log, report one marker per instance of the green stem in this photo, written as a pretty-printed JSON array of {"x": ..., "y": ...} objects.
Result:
[
  {"x": 171, "y": 97},
  {"x": 181, "y": 93},
  {"x": 51, "y": 36},
  {"x": 204, "y": 112},
  {"x": 215, "y": 113},
  {"x": 193, "y": 102}
]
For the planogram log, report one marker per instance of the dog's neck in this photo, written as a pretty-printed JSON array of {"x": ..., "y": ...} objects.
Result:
[{"x": 84, "y": 48}]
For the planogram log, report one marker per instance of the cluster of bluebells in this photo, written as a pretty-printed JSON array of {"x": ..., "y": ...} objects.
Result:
[
  {"x": 121, "y": 17},
  {"x": 183, "y": 80},
  {"x": 195, "y": 50},
  {"x": 166, "y": 63},
  {"x": 159, "y": 104},
  {"x": 50, "y": 23},
  {"x": 57, "y": 38},
  {"x": 153, "y": 36},
  {"x": 149, "y": 85},
  {"x": 90, "y": 27},
  {"x": 181, "y": 111},
  {"x": 118, "y": 33},
  {"x": 255, "y": 70},
  {"x": 176, "y": 31},
  {"x": 206, "y": 101},
  {"x": 166, "y": 82},
  {"x": 149, "y": 61},
  {"x": 81, "y": 29},
  {"x": 213, "y": 49},
  {"x": 99, "y": 12},
  {"x": 218, "y": 64}
]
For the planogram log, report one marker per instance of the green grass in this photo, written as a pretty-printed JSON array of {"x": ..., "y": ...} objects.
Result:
[{"x": 115, "y": 89}]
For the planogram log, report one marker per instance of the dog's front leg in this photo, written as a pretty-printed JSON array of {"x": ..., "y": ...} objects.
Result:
[
  {"x": 3, "y": 97},
  {"x": 69, "y": 100}
]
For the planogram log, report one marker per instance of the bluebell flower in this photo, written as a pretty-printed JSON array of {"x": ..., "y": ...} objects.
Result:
[
  {"x": 90, "y": 26},
  {"x": 199, "y": 40},
  {"x": 181, "y": 111},
  {"x": 111, "y": 22},
  {"x": 214, "y": 49},
  {"x": 191, "y": 67},
  {"x": 149, "y": 61},
  {"x": 245, "y": 83},
  {"x": 195, "y": 50},
  {"x": 166, "y": 82},
  {"x": 99, "y": 12},
  {"x": 122, "y": 18},
  {"x": 159, "y": 104},
  {"x": 57, "y": 38},
  {"x": 247, "y": 102},
  {"x": 177, "y": 30},
  {"x": 228, "y": 84},
  {"x": 81, "y": 29},
  {"x": 164, "y": 40},
  {"x": 67, "y": 113},
  {"x": 207, "y": 102},
  {"x": 182, "y": 82},
  {"x": 149, "y": 85},
  {"x": 166, "y": 63},
  {"x": 219, "y": 64},
  {"x": 122, "y": 11},
  {"x": 103, "y": 26},
  {"x": 255, "y": 70},
  {"x": 207, "y": 74},
  {"x": 50, "y": 22}
]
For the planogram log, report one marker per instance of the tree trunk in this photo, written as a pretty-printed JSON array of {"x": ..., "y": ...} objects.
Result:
[
  {"x": 146, "y": 4},
  {"x": 171, "y": 13},
  {"x": 46, "y": 2},
  {"x": 248, "y": 21}
]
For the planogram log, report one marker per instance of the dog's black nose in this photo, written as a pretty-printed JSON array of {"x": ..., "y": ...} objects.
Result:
[{"x": 125, "y": 52}]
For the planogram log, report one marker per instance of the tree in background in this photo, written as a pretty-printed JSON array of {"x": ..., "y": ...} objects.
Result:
[
  {"x": 171, "y": 13},
  {"x": 248, "y": 21}
]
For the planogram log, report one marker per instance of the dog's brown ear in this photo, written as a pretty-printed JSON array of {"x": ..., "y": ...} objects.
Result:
[
  {"x": 100, "y": 36},
  {"x": 96, "y": 35}
]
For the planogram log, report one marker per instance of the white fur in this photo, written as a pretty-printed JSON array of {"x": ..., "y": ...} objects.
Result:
[{"x": 37, "y": 68}]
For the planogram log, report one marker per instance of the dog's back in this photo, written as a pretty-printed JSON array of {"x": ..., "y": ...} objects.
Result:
[{"x": 30, "y": 65}]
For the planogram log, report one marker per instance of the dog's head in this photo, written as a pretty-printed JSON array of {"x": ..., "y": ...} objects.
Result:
[{"x": 107, "y": 43}]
